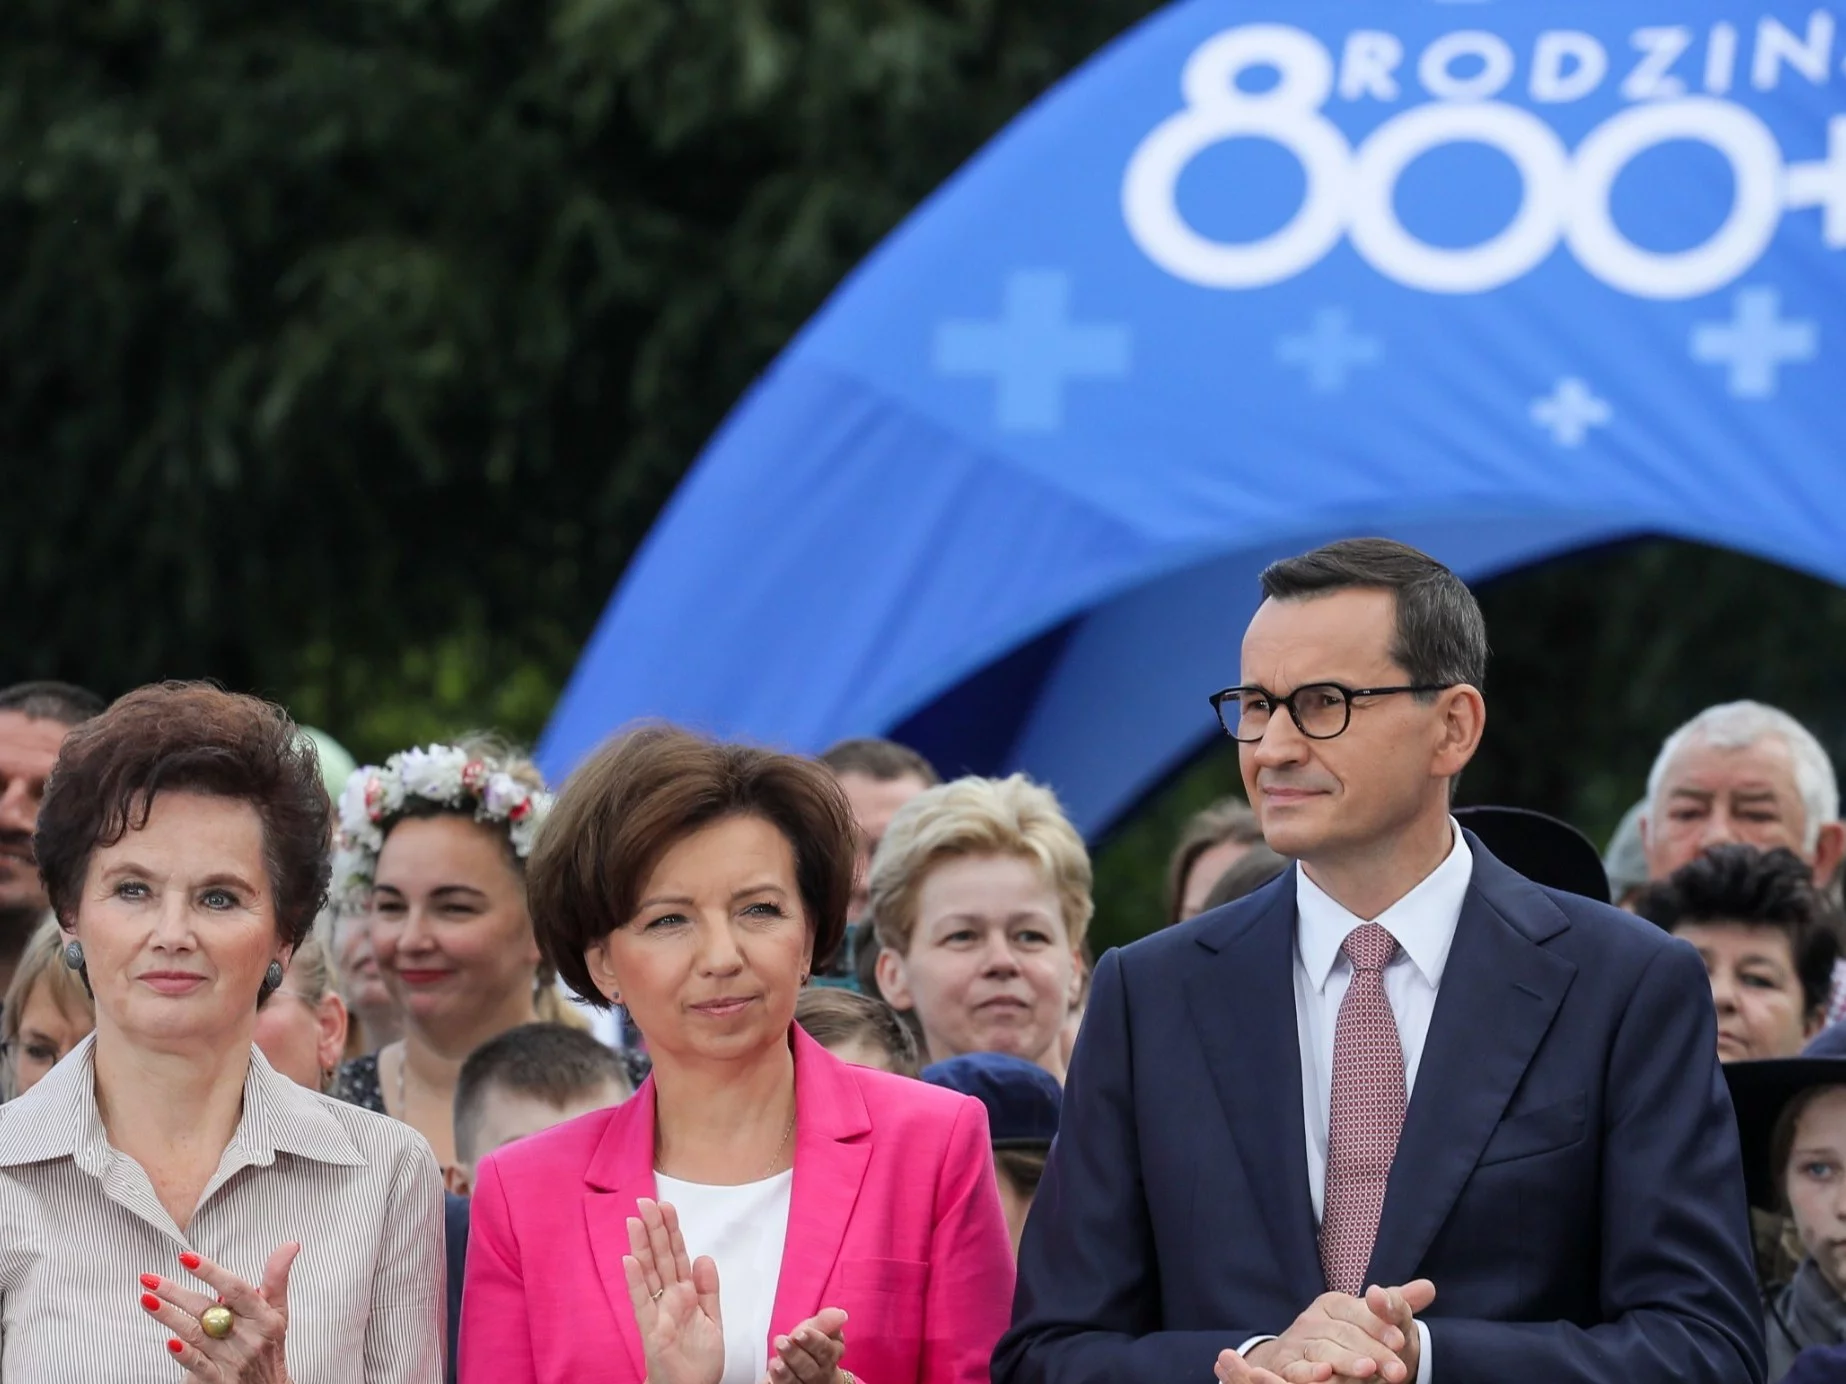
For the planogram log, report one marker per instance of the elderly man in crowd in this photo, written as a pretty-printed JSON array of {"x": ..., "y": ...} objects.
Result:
[
  {"x": 1745, "y": 773},
  {"x": 34, "y": 719}
]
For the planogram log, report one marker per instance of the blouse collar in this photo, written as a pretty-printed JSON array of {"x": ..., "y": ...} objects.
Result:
[{"x": 58, "y": 1118}]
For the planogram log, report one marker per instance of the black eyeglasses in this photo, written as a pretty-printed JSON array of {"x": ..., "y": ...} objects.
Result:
[{"x": 1320, "y": 710}]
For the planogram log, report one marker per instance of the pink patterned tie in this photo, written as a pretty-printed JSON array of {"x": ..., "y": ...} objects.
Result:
[{"x": 1367, "y": 1112}]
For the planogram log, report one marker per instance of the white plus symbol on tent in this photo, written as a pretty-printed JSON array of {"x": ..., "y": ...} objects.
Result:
[
  {"x": 1756, "y": 343},
  {"x": 1329, "y": 350},
  {"x": 1032, "y": 350},
  {"x": 1823, "y": 184},
  {"x": 1571, "y": 412}
]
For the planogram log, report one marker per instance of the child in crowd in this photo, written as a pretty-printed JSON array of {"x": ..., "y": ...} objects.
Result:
[
  {"x": 515, "y": 1084},
  {"x": 524, "y": 1080},
  {"x": 1022, "y": 1101},
  {"x": 858, "y": 1029},
  {"x": 1791, "y": 1116}
]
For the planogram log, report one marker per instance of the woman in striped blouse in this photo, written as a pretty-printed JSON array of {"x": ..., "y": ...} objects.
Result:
[{"x": 166, "y": 1197}]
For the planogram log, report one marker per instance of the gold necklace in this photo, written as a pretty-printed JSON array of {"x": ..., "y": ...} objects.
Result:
[{"x": 770, "y": 1171}]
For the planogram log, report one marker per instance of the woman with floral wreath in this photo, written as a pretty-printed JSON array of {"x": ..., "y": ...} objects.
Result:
[{"x": 433, "y": 845}]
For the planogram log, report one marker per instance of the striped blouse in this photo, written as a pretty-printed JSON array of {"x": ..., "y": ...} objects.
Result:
[{"x": 79, "y": 1225}]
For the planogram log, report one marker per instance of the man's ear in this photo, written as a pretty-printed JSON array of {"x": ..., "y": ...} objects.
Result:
[
  {"x": 1464, "y": 722},
  {"x": 1829, "y": 848},
  {"x": 459, "y": 1179},
  {"x": 893, "y": 980}
]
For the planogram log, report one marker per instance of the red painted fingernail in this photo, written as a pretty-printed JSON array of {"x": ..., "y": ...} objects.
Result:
[
  {"x": 189, "y": 1260},
  {"x": 175, "y": 1347},
  {"x": 148, "y": 1280},
  {"x": 149, "y": 1301}
]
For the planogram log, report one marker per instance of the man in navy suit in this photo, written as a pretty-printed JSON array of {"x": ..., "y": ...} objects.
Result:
[{"x": 1402, "y": 1115}]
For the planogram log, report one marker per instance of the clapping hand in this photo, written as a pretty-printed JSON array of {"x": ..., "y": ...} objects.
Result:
[
  {"x": 251, "y": 1347},
  {"x": 675, "y": 1300},
  {"x": 810, "y": 1354},
  {"x": 1341, "y": 1338}
]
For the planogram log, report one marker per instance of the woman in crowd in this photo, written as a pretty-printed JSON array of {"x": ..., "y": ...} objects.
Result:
[
  {"x": 981, "y": 899},
  {"x": 1791, "y": 1116},
  {"x": 437, "y": 840},
  {"x": 301, "y": 1025},
  {"x": 152, "y": 1229},
  {"x": 375, "y": 1018},
  {"x": 1768, "y": 941},
  {"x": 1213, "y": 841},
  {"x": 47, "y": 1012},
  {"x": 858, "y": 1029},
  {"x": 760, "y": 1209},
  {"x": 1252, "y": 870},
  {"x": 1023, "y": 1101}
]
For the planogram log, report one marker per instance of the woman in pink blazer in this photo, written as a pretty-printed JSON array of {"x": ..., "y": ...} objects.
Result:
[{"x": 760, "y": 1212}]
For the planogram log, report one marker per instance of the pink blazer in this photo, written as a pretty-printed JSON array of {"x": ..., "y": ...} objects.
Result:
[{"x": 893, "y": 1217}]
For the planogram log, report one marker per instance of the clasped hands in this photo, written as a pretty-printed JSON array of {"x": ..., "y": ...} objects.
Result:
[
  {"x": 1341, "y": 1338},
  {"x": 682, "y": 1330}
]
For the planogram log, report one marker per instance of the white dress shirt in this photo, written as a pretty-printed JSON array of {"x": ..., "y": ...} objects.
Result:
[
  {"x": 744, "y": 1230},
  {"x": 1423, "y": 922}
]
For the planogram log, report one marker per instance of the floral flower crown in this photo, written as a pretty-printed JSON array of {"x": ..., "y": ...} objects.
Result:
[{"x": 447, "y": 775}]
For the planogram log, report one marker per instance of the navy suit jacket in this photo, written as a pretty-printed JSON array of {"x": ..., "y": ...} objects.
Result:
[{"x": 1568, "y": 1173}]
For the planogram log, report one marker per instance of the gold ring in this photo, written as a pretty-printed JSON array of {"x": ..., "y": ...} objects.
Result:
[{"x": 218, "y": 1322}]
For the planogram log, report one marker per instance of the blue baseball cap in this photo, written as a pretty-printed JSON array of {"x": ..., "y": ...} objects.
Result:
[{"x": 1021, "y": 1097}]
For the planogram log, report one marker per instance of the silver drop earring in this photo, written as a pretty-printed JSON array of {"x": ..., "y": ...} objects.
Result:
[
  {"x": 73, "y": 955},
  {"x": 272, "y": 981}
]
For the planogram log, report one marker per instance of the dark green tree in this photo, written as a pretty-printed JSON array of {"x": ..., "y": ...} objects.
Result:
[{"x": 351, "y": 348}]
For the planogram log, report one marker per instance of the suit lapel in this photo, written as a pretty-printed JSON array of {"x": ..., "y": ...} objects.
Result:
[
  {"x": 620, "y": 1173},
  {"x": 1242, "y": 999},
  {"x": 1500, "y": 992},
  {"x": 832, "y": 1148}
]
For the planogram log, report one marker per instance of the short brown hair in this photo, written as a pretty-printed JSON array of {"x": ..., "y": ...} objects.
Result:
[
  {"x": 879, "y": 760},
  {"x": 555, "y": 1063},
  {"x": 629, "y": 802},
  {"x": 1228, "y": 819},
  {"x": 189, "y": 737},
  {"x": 832, "y": 1015},
  {"x": 1441, "y": 637}
]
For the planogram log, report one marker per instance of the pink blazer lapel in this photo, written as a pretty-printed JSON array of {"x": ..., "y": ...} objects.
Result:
[
  {"x": 621, "y": 1172},
  {"x": 832, "y": 1148}
]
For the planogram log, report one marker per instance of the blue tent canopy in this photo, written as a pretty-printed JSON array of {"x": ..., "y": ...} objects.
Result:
[{"x": 1499, "y": 280}]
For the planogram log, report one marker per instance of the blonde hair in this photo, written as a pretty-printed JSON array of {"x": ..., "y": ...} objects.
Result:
[
  {"x": 311, "y": 968},
  {"x": 974, "y": 817},
  {"x": 41, "y": 961}
]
